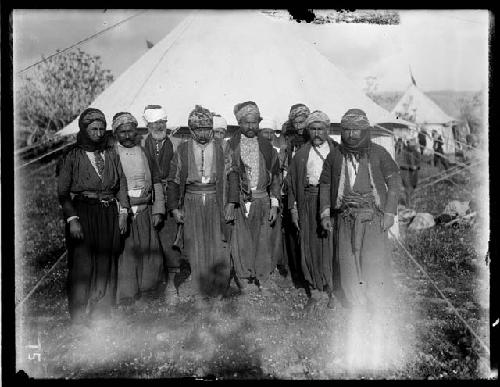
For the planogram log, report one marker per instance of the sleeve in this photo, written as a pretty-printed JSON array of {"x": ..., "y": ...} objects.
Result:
[
  {"x": 325, "y": 181},
  {"x": 290, "y": 181},
  {"x": 392, "y": 180},
  {"x": 159, "y": 202},
  {"x": 275, "y": 191},
  {"x": 64, "y": 175},
  {"x": 233, "y": 177},
  {"x": 173, "y": 182},
  {"x": 122, "y": 194}
]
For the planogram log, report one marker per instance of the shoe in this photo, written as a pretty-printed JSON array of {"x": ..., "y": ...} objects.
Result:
[{"x": 331, "y": 303}]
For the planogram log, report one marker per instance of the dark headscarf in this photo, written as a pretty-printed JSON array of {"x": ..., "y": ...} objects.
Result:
[
  {"x": 82, "y": 138},
  {"x": 355, "y": 119}
]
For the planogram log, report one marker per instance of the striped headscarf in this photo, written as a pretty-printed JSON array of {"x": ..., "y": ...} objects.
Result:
[
  {"x": 298, "y": 109},
  {"x": 123, "y": 118},
  {"x": 355, "y": 119},
  {"x": 245, "y": 108},
  {"x": 317, "y": 116},
  {"x": 200, "y": 118}
]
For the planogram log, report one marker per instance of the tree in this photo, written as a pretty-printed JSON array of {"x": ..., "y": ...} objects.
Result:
[
  {"x": 57, "y": 91},
  {"x": 471, "y": 111}
]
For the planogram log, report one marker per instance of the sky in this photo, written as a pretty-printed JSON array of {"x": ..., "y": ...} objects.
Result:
[{"x": 447, "y": 50}]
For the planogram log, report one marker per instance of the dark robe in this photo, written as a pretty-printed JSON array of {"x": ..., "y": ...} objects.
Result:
[
  {"x": 251, "y": 244},
  {"x": 409, "y": 164},
  {"x": 204, "y": 238},
  {"x": 363, "y": 248},
  {"x": 168, "y": 229},
  {"x": 316, "y": 245},
  {"x": 91, "y": 261}
]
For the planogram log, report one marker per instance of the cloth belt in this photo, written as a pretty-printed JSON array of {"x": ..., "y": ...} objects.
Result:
[
  {"x": 95, "y": 198},
  {"x": 259, "y": 194},
  {"x": 312, "y": 189},
  {"x": 201, "y": 189}
]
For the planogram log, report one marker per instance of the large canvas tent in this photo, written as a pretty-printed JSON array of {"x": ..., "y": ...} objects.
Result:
[
  {"x": 219, "y": 58},
  {"x": 415, "y": 106}
]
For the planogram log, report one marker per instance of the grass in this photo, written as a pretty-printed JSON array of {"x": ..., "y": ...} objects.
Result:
[{"x": 254, "y": 336}]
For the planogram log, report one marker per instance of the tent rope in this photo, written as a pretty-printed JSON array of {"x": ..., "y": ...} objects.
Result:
[
  {"x": 447, "y": 176},
  {"x": 81, "y": 42},
  {"x": 40, "y": 281},
  {"x": 486, "y": 347}
]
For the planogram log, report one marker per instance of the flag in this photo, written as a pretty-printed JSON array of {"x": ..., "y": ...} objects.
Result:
[
  {"x": 149, "y": 44},
  {"x": 412, "y": 79}
]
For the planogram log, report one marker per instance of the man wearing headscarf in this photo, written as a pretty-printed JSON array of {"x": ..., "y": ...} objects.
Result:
[
  {"x": 90, "y": 181},
  {"x": 220, "y": 128},
  {"x": 159, "y": 148},
  {"x": 409, "y": 164},
  {"x": 140, "y": 265},
  {"x": 253, "y": 173},
  {"x": 295, "y": 136},
  {"x": 268, "y": 130},
  {"x": 316, "y": 244},
  {"x": 359, "y": 189},
  {"x": 196, "y": 192}
]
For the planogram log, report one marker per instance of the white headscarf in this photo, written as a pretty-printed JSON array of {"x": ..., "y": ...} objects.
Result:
[
  {"x": 154, "y": 114},
  {"x": 220, "y": 122},
  {"x": 268, "y": 124}
]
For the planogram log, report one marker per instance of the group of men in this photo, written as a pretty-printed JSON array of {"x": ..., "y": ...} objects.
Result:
[{"x": 215, "y": 209}]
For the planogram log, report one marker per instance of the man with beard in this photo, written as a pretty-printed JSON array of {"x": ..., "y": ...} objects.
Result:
[
  {"x": 159, "y": 148},
  {"x": 295, "y": 136},
  {"x": 220, "y": 128},
  {"x": 90, "y": 181},
  {"x": 409, "y": 163},
  {"x": 359, "y": 189},
  {"x": 268, "y": 129},
  {"x": 316, "y": 244},
  {"x": 253, "y": 173},
  {"x": 140, "y": 265},
  {"x": 195, "y": 196}
]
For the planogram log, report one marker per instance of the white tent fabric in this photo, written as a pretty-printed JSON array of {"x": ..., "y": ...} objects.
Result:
[
  {"x": 219, "y": 58},
  {"x": 415, "y": 106}
]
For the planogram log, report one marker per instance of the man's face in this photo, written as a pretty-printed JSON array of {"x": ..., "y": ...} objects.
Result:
[
  {"x": 351, "y": 136},
  {"x": 158, "y": 129},
  {"x": 267, "y": 133},
  {"x": 126, "y": 135},
  {"x": 318, "y": 133},
  {"x": 202, "y": 135},
  {"x": 95, "y": 130},
  {"x": 250, "y": 125},
  {"x": 219, "y": 133},
  {"x": 299, "y": 123}
]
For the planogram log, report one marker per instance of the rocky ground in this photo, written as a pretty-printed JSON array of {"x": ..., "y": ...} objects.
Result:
[{"x": 253, "y": 335}]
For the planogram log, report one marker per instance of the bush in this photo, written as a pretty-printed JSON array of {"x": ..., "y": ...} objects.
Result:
[{"x": 56, "y": 91}]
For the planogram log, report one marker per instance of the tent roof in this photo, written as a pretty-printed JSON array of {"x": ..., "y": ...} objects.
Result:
[
  {"x": 426, "y": 111},
  {"x": 219, "y": 58}
]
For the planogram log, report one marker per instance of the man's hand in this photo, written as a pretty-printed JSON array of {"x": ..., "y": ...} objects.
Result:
[
  {"x": 273, "y": 214},
  {"x": 229, "y": 213},
  {"x": 178, "y": 215},
  {"x": 122, "y": 223},
  {"x": 326, "y": 223},
  {"x": 387, "y": 221},
  {"x": 157, "y": 220},
  {"x": 75, "y": 229},
  {"x": 295, "y": 218}
]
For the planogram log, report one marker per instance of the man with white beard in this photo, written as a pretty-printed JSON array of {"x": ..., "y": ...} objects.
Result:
[{"x": 159, "y": 147}]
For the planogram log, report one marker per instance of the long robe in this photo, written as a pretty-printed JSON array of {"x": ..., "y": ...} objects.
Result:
[
  {"x": 140, "y": 265},
  {"x": 316, "y": 245},
  {"x": 204, "y": 236},
  {"x": 92, "y": 261},
  {"x": 363, "y": 248},
  {"x": 167, "y": 231},
  {"x": 251, "y": 244}
]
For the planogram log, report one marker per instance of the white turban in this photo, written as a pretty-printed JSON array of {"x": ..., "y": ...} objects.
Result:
[
  {"x": 220, "y": 122},
  {"x": 154, "y": 114},
  {"x": 268, "y": 124}
]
